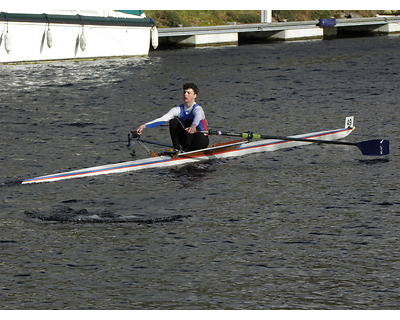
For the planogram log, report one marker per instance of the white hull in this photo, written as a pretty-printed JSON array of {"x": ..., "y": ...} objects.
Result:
[
  {"x": 23, "y": 41},
  {"x": 243, "y": 148}
]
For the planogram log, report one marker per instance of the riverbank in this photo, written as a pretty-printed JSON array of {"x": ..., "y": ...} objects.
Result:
[
  {"x": 237, "y": 34},
  {"x": 198, "y": 18}
]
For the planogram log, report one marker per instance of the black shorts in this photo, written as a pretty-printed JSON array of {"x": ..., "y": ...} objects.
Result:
[{"x": 186, "y": 141}]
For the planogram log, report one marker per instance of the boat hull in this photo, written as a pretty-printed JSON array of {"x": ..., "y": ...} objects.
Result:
[
  {"x": 225, "y": 150},
  {"x": 51, "y": 37}
]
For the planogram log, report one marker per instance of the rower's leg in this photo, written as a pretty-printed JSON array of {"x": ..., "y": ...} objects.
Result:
[
  {"x": 186, "y": 138},
  {"x": 176, "y": 131},
  {"x": 199, "y": 141}
]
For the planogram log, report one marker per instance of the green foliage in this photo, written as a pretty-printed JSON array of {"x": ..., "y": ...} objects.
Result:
[
  {"x": 192, "y": 18},
  {"x": 243, "y": 16},
  {"x": 165, "y": 18}
]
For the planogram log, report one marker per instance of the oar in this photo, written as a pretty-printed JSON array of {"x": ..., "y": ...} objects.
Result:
[
  {"x": 134, "y": 136},
  {"x": 376, "y": 147}
]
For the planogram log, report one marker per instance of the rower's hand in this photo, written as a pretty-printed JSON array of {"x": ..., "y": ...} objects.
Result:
[
  {"x": 140, "y": 129},
  {"x": 191, "y": 129}
]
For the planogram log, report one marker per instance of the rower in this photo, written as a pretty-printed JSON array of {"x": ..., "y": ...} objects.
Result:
[{"x": 185, "y": 122}]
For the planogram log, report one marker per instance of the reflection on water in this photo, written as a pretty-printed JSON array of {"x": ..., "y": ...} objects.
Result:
[{"x": 83, "y": 73}]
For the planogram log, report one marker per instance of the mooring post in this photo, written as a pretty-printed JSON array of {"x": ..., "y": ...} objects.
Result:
[{"x": 266, "y": 16}]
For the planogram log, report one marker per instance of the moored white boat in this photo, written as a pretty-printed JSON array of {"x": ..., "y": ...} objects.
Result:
[
  {"x": 74, "y": 35},
  {"x": 218, "y": 151}
]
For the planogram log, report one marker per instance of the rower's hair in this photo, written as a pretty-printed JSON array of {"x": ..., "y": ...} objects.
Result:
[{"x": 191, "y": 85}]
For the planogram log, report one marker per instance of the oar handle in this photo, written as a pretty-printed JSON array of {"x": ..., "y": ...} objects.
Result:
[
  {"x": 131, "y": 136},
  {"x": 134, "y": 135}
]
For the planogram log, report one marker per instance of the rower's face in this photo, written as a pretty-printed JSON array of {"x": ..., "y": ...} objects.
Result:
[{"x": 189, "y": 96}]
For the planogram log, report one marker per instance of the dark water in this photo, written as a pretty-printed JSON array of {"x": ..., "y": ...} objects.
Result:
[{"x": 314, "y": 227}]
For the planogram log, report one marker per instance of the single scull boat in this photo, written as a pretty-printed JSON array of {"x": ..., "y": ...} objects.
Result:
[{"x": 217, "y": 151}]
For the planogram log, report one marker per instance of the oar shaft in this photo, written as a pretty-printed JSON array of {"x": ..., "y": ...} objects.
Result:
[
  {"x": 377, "y": 147},
  {"x": 156, "y": 143},
  {"x": 250, "y": 135},
  {"x": 134, "y": 136}
]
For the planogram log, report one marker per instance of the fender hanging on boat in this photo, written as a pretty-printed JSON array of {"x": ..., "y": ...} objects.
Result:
[
  {"x": 82, "y": 40},
  {"x": 154, "y": 37},
  {"x": 49, "y": 37},
  {"x": 7, "y": 42}
]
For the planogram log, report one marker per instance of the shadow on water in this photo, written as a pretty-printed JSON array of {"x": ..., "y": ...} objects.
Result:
[
  {"x": 193, "y": 171},
  {"x": 373, "y": 161},
  {"x": 10, "y": 183},
  {"x": 65, "y": 214}
]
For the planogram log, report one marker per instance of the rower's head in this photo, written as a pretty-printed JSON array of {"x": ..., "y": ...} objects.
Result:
[
  {"x": 191, "y": 86},
  {"x": 190, "y": 92}
]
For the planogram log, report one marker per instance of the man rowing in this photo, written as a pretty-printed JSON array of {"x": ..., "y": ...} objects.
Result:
[{"x": 185, "y": 122}]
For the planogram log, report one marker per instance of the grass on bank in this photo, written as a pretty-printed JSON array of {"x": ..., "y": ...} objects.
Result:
[{"x": 194, "y": 18}]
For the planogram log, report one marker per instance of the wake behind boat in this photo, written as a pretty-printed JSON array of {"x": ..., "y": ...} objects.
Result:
[{"x": 225, "y": 150}]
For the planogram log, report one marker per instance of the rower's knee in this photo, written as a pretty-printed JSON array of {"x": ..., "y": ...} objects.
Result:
[{"x": 173, "y": 123}]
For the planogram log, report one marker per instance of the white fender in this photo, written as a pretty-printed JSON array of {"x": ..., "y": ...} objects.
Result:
[
  {"x": 82, "y": 40},
  {"x": 49, "y": 37},
  {"x": 7, "y": 42},
  {"x": 154, "y": 37}
]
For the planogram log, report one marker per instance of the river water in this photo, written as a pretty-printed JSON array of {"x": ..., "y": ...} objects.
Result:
[{"x": 313, "y": 227}]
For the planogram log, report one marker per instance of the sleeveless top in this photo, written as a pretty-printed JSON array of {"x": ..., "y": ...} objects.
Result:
[{"x": 183, "y": 116}]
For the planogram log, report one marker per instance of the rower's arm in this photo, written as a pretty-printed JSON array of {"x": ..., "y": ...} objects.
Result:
[{"x": 174, "y": 112}]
